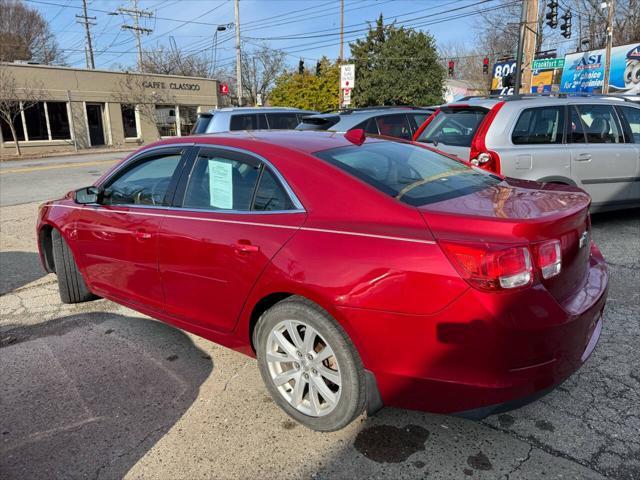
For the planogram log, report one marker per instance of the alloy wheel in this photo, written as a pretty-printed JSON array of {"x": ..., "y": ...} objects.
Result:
[{"x": 303, "y": 368}]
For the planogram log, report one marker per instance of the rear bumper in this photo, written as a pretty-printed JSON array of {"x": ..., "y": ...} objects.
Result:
[{"x": 485, "y": 352}]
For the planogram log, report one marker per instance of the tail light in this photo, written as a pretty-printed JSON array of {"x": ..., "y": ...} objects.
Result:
[
  {"x": 479, "y": 154},
  {"x": 549, "y": 258},
  {"x": 491, "y": 267}
]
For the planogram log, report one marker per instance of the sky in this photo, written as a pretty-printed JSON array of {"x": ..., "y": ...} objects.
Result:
[{"x": 306, "y": 29}]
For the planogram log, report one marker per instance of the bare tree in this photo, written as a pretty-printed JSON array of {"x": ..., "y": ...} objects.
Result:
[
  {"x": 140, "y": 92},
  {"x": 25, "y": 35},
  {"x": 14, "y": 100},
  {"x": 260, "y": 69},
  {"x": 167, "y": 61}
]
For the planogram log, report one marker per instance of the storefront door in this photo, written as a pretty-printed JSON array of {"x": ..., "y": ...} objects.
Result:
[{"x": 95, "y": 123}]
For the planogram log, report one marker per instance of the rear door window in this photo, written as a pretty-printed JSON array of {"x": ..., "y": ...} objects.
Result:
[
  {"x": 600, "y": 124},
  {"x": 394, "y": 126},
  {"x": 632, "y": 116},
  {"x": 369, "y": 126},
  {"x": 270, "y": 195},
  {"x": 541, "y": 125},
  {"x": 453, "y": 126},
  {"x": 575, "y": 132},
  {"x": 282, "y": 121},
  {"x": 420, "y": 118}
]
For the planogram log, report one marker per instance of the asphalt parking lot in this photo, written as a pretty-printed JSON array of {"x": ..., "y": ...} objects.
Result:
[{"x": 99, "y": 391}]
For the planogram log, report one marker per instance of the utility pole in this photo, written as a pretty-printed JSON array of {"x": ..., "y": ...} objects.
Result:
[
  {"x": 341, "y": 56},
  {"x": 526, "y": 45},
  {"x": 85, "y": 20},
  {"x": 136, "y": 14},
  {"x": 611, "y": 5},
  {"x": 238, "y": 53}
]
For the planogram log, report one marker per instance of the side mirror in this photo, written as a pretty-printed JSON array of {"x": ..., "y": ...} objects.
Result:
[{"x": 87, "y": 195}]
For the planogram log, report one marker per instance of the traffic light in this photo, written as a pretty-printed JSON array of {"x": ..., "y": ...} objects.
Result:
[
  {"x": 552, "y": 14},
  {"x": 566, "y": 24},
  {"x": 485, "y": 65},
  {"x": 452, "y": 65},
  {"x": 301, "y": 67},
  {"x": 318, "y": 68}
]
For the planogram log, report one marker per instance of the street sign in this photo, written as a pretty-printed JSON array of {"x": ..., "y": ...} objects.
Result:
[
  {"x": 346, "y": 96},
  {"x": 547, "y": 64},
  {"x": 223, "y": 88},
  {"x": 347, "y": 76}
]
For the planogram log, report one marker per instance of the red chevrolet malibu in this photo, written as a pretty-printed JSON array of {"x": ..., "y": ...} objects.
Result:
[{"x": 360, "y": 272}]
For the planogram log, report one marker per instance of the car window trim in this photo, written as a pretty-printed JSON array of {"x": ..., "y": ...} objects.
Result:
[
  {"x": 188, "y": 170},
  {"x": 161, "y": 150}
]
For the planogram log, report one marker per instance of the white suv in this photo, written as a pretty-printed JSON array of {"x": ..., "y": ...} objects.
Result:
[{"x": 591, "y": 142}]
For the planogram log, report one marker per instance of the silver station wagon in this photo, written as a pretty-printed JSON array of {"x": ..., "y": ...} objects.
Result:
[
  {"x": 249, "y": 118},
  {"x": 589, "y": 141}
]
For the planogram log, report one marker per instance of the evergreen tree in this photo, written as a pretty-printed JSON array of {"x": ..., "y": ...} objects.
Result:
[{"x": 396, "y": 66}]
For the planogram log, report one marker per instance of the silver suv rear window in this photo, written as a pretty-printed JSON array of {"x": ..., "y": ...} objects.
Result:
[{"x": 453, "y": 126}]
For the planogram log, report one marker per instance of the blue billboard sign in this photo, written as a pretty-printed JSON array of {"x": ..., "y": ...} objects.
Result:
[{"x": 584, "y": 71}]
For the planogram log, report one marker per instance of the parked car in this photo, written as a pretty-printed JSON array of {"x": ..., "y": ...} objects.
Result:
[
  {"x": 360, "y": 272},
  {"x": 399, "y": 122},
  {"x": 249, "y": 118},
  {"x": 591, "y": 142}
]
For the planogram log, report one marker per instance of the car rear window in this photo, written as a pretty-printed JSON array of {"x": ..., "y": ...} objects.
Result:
[
  {"x": 453, "y": 126},
  {"x": 409, "y": 173}
]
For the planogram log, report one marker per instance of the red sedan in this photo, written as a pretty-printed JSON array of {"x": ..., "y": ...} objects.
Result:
[{"x": 360, "y": 272}]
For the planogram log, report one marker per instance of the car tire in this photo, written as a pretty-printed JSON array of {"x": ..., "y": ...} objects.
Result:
[
  {"x": 71, "y": 285},
  {"x": 345, "y": 362}
]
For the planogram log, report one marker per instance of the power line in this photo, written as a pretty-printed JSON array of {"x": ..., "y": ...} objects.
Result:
[
  {"x": 87, "y": 22},
  {"x": 136, "y": 14}
]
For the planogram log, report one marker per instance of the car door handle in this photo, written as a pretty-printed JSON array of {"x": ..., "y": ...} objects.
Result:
[
  {"x": 242, "y": 247},
  {"x": 583, "y": 157},
  {"x": 142, "y": 235}
]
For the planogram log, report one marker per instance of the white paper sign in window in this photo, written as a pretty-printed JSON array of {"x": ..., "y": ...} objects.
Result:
[{"x": 221, "y": 183}]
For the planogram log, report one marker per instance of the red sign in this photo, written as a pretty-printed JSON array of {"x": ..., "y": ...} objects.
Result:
[{"x": 223, "y": 89}]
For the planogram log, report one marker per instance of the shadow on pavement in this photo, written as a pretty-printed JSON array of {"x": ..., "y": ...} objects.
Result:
[
  {"x": 88, "y": 395},
  {"x": 18, "y": 269},
  {"x": 626, "y": 216}
]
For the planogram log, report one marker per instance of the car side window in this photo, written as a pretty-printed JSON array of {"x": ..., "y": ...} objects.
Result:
[
  {"x": 600, "y": 124},
  {"x": 249, "y": 121},
  {"x": 542, "y": 125},
  {"x": 282, "y": 121},
  {"x": 219, "y": 183},
  {"x": 632, "y": 116},
  {"x": 270, "y": 196},
  {"x": 394, "y": 126},
  {"x": 420, "y": 118},
  {"x": 146, "y": 183}
]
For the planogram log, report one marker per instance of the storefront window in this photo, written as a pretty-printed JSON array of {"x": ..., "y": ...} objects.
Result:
[
  {"x": 6, "y": 130},
  {"x": 36, "y": 122},
  {"x": 166, "y": 120},
  {"x": 188, "y": 118},
  {"x": 58, "y": 121},
  {"x": 129, "y": 121}
]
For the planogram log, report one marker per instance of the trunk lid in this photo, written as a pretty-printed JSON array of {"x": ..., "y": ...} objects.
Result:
[{"x": 517, "y": 212}]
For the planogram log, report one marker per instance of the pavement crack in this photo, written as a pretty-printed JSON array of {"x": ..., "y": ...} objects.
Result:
[
  {"x": 521, "y": 462},
  {"x": 235, "y": 374},
  {"x": 531, "y": 440}
]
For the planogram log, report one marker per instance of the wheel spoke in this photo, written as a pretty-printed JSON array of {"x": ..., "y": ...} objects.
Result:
[
  {"x": 294, "y": 334},
  {"x": 324, "y": 390},
  {"x": 285, "y": 377},
  {"x": 278, "y": 357},
  {"x": 324, "y": 354},
  {"x": 309, "y": 339},
  {"x": 298, "y": 390},
  {"x": 284, "y": 344},
  {"x": 314, "y": 400},
  {"x": 329, "y": 374}
]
